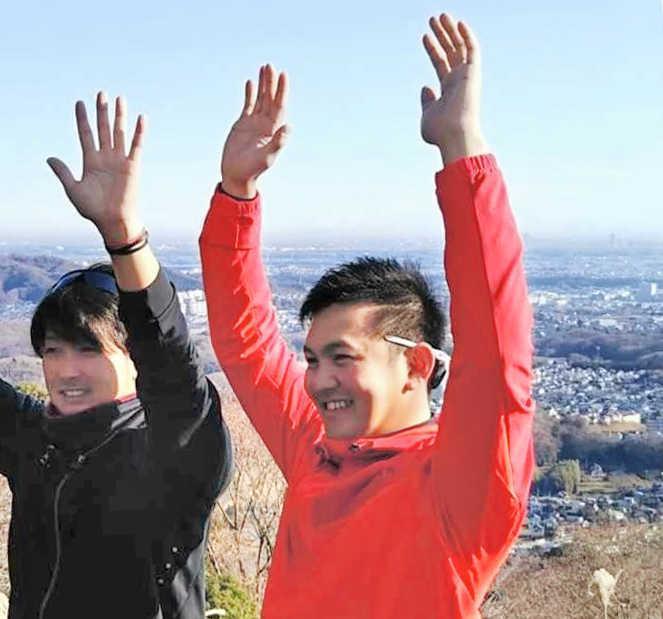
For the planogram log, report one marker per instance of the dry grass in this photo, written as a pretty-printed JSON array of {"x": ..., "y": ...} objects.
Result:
[
  {"x": 559, "y": 587},
  {"x": 246, "y": 516}
]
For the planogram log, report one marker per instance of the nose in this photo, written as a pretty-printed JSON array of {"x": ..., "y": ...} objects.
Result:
[
  {"x": 69, "y": 365},
  {"x": 320, "y": 379}
]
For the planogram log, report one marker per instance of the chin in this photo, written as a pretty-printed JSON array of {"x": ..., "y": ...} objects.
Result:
[
  {"x": 331, "y": 433},
  {"x": 343, "y": 425},
  {"x": 72, "y": 408},
  {"x": 342, "y": 431}
]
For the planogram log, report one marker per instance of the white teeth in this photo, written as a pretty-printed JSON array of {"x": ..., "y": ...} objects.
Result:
[
  {"x": 73, "y": 393},
  {"x": 337, "y": 404}
]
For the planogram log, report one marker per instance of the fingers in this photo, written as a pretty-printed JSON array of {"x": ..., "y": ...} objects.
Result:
[
  {"x": 451, "y": 46},
  {"x": 458, "y": 52},
  {"x": 281, "y": 91},
  {"x": 427, "y": 97},
  {"x": 272, "y": 91},
  {"x": 438, "y": 59},
  {"x": 249, "y": 102},
  {"x": 63, "y": 173},
  {"x": 260, "y": 99},
  {"x": 442, "y": 37},
  {"x": 119, "y": 125},
  {"x": 103, "y": 127},
  {"x": 84, "y": 132},
  {"x": 137, "y": 141},
  {"x": 118, "y": 140},
  {"x": 471, "y": 43},
  {"x": 270, "y": 83}
]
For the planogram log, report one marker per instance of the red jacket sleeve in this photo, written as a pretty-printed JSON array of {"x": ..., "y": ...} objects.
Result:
[
  {"x": 483, "y": 460},
  {"x": 263, "y": 372}
]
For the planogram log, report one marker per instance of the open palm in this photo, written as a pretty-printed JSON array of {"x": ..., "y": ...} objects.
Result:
[
  {"x": 106, "y": 194},
  {"x": 454, "y": 54},
  {"x": 259, "y": 133}
]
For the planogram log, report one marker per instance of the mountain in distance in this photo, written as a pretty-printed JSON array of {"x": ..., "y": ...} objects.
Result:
[{"x": 27, "y": 278}]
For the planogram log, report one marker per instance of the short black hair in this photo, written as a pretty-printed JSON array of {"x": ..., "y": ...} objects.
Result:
[
  {"x": 407, "y": 305},
  {"x": 80, "y": 314}
]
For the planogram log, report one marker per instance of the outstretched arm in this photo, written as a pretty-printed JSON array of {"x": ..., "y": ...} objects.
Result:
[
  {"x": 483, "y": 462},
  {"x": 452, "y": 121},
  {"x": 257, "y": 136},
  {"x": 171, "y": 384},
  {"x": 108, "y": 190},
  {"x": 263, "y": 372},
  {"x": 17, "y": 411}
]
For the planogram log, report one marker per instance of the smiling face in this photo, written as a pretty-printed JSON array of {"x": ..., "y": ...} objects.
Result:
[
  {"x": 80, "y": 376},
  {"x": 356, "y": 379}
]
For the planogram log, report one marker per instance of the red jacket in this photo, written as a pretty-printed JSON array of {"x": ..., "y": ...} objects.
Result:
[{"x": 414, "y": 523}]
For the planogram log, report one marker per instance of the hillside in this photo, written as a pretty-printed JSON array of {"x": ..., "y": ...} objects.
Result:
[
  {"x": 27, "y": 278},
  {"x": 21, "y": 369},
  {"x": 536, "y": 587},
  {"x": 617, "y": 350}
]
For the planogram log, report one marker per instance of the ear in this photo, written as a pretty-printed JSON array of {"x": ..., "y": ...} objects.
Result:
[
  {"x": 421, "y": 361},
  {"x": 131, "y": 367}
]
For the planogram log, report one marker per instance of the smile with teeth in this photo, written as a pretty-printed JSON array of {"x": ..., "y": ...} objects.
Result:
[
  {"x": 334, "y": 405},
  {"x": 72, "y": 393}
]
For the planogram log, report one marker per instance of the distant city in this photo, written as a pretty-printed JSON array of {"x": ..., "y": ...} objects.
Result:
[{"x": 598, "y": 316}]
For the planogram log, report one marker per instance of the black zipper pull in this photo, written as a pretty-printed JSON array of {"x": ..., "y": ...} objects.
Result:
[
  {"x": 45, "y": 458},
  {"x": 78, "y": 462}
]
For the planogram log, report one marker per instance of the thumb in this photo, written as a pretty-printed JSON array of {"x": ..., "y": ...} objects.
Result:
[
  {"x": 278, "y": 139},
  {"x": 61, "y": 170},
  {"x": 427, "y": 97}
]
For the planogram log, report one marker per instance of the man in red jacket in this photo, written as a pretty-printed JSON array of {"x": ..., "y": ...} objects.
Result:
[{"x": 388, "y": 513}]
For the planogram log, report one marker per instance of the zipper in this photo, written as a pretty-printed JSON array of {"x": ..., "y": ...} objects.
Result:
[
  {"x": 58, "y": 544},
  {"x": 74, "y": 466}
]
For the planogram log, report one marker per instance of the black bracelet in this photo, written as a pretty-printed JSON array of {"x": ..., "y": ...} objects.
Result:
[
  {"x": 130, "y": 248},
  {"x": 220, "y": 189}
]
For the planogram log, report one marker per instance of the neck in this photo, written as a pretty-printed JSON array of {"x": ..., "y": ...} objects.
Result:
[{"x": 413, "y": 410}]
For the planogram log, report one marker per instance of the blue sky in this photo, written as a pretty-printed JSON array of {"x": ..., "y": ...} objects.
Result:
[{"x": 573, "y": 108}]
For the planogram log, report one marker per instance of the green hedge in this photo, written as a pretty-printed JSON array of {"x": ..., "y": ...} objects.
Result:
[{"x": 223, "y": 591}]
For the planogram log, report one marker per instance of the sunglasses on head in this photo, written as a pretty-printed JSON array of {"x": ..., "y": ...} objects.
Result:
[{"x": 101, "y": 280}]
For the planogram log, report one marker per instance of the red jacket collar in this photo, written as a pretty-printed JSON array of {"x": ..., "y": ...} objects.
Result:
[{"x": 371, "y": 448}]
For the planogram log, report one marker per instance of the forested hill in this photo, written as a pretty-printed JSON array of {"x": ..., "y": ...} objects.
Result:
[{"x": 27, "y": 278}]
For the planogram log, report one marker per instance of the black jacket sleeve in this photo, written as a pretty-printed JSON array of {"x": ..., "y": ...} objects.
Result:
[
  {"x": 16, "y": 411},
  {"x": 182, "y": 408}
]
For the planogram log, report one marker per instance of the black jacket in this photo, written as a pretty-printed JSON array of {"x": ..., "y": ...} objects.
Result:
[{"x": 111, "y": 506}]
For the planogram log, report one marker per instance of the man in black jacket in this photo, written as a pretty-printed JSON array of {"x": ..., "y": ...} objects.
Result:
[{"x": 114, "y": 479}]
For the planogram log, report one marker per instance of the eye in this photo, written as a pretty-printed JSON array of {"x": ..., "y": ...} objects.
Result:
[
  {"x": 341, "y": 358},
  {"x": 88, "y": 349},
  {"x": 49, "y": 350},
  {"x": 311, "y": 362}
]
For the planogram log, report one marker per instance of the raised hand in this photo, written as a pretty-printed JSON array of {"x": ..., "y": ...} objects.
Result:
[
  {"x": 257, "y": 136},
  {"x": 107, "y": 191},
  {"x": 451, "y": 121}
]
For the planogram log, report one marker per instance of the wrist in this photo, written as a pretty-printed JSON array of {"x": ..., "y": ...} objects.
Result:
[
  {"x": 130, "y": 248},
  {"x": 244, "y": 190},
  {"x": 120, "y": 233},
  {"x": 462, "y": 143}
]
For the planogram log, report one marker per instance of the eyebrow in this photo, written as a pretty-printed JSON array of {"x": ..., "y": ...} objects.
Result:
[
  {"x": 53, "y": 338},
  {"x": 57, "y": 339},
  {"x": 330, "y": 347}
]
